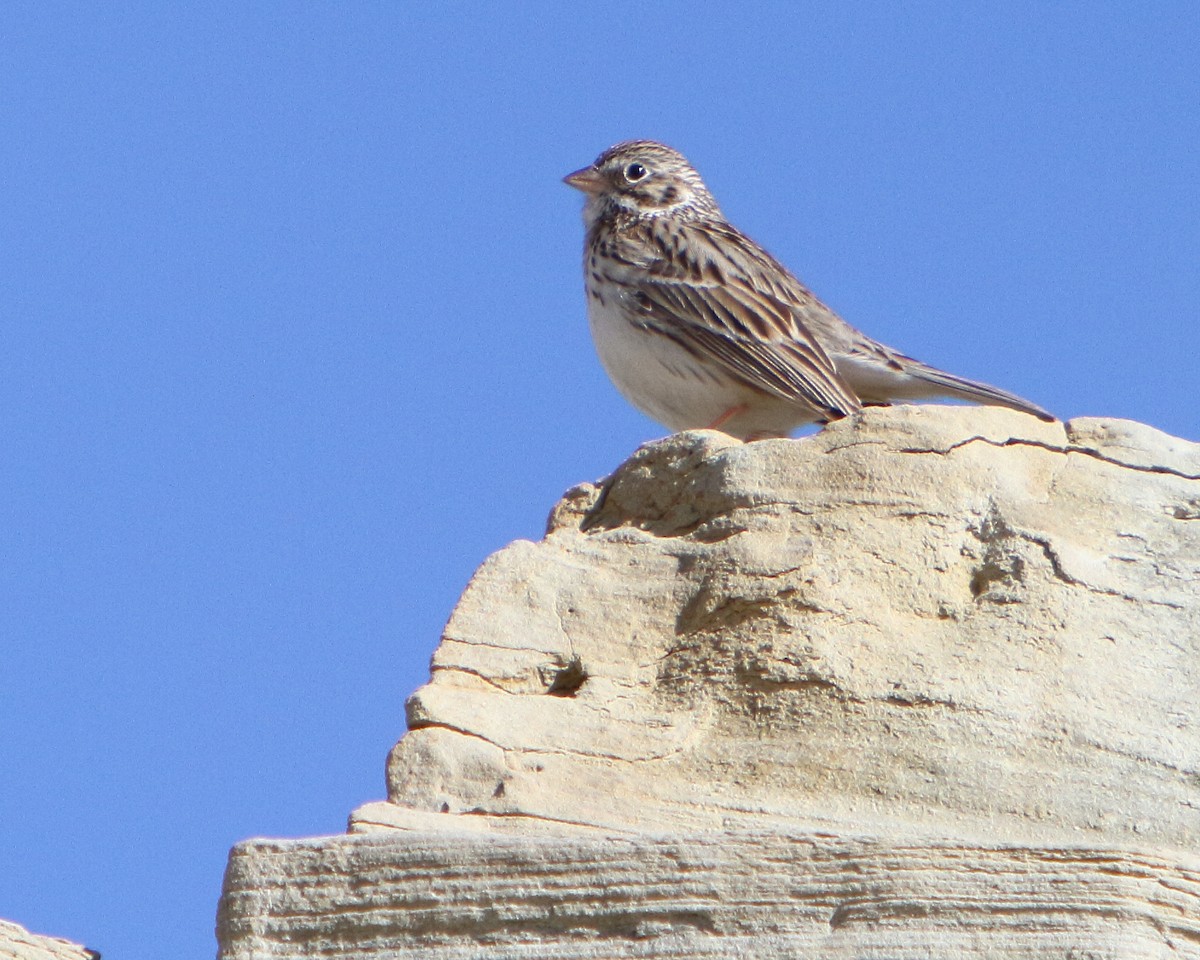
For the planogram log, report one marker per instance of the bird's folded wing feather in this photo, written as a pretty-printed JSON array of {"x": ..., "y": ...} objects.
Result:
[{"x": 707, "y": 299}]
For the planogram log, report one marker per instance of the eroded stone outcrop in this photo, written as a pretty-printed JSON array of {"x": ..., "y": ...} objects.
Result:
[
  {"x": 922, "y": 684},
  {"x": 17, "y": 943}
]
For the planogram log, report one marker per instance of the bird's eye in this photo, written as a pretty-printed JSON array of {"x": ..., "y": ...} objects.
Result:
[{"x": 635, "y": 172}]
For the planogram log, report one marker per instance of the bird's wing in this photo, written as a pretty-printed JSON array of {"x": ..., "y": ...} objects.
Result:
[{"x": 722, "y": 297}]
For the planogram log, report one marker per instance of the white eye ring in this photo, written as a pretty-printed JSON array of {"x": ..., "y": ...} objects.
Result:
[{"x": 635, "y": 172}]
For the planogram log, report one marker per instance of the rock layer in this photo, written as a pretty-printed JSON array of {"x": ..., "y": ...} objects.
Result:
[
  {"x": 955, "y": 651},
  {"x": 735, "y": 895}
]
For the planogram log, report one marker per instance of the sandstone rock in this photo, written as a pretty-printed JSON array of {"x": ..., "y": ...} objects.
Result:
[
  {"x": 922, "y": 684},
  {"x": 17, "y": 943}
]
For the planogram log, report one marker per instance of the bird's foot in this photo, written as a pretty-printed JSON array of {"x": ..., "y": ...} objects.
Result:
[{"x": 727, "y": 416}]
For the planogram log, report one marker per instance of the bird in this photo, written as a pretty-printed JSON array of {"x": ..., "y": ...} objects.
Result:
[{"x": 700, "y": 327}]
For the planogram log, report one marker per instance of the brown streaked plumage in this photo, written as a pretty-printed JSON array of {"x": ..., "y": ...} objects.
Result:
[{"x": 698, "y": 326}]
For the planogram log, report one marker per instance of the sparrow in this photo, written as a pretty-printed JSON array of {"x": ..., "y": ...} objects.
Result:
[{"x": 700, "y": 327}]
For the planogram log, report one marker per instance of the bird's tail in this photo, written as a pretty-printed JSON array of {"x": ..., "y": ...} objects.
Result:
[{"x": 961, "y": 388}]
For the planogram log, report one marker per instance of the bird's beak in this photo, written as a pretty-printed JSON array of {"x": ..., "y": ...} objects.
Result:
[{"x": 588, "y": 180}]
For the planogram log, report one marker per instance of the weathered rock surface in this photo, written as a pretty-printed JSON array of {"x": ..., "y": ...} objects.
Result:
[
  {"x": 925, "y": 684},
  {"x": 17, "y": 943}
]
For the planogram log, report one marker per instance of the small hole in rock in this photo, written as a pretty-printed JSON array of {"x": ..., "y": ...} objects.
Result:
[
  {"x": 568, "y": 680},
  {"x": 445, "y": 808}
]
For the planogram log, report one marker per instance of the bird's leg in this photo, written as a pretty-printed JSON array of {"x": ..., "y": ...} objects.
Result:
[{"x": 727, "y": 416}]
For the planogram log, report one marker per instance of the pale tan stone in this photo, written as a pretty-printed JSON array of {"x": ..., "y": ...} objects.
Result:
[
  {"x": 17, "y": 943},
  {"x": 956, "y": 650}
]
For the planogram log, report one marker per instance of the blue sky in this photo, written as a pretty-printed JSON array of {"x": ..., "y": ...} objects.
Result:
[{"x": 293, "y": 338}]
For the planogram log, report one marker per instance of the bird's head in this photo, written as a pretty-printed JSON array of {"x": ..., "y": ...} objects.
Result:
[{"x": 643, "y": 178}]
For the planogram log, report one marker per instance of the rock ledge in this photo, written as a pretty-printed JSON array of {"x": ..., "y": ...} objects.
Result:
[{"x": 922, "y": 684}]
